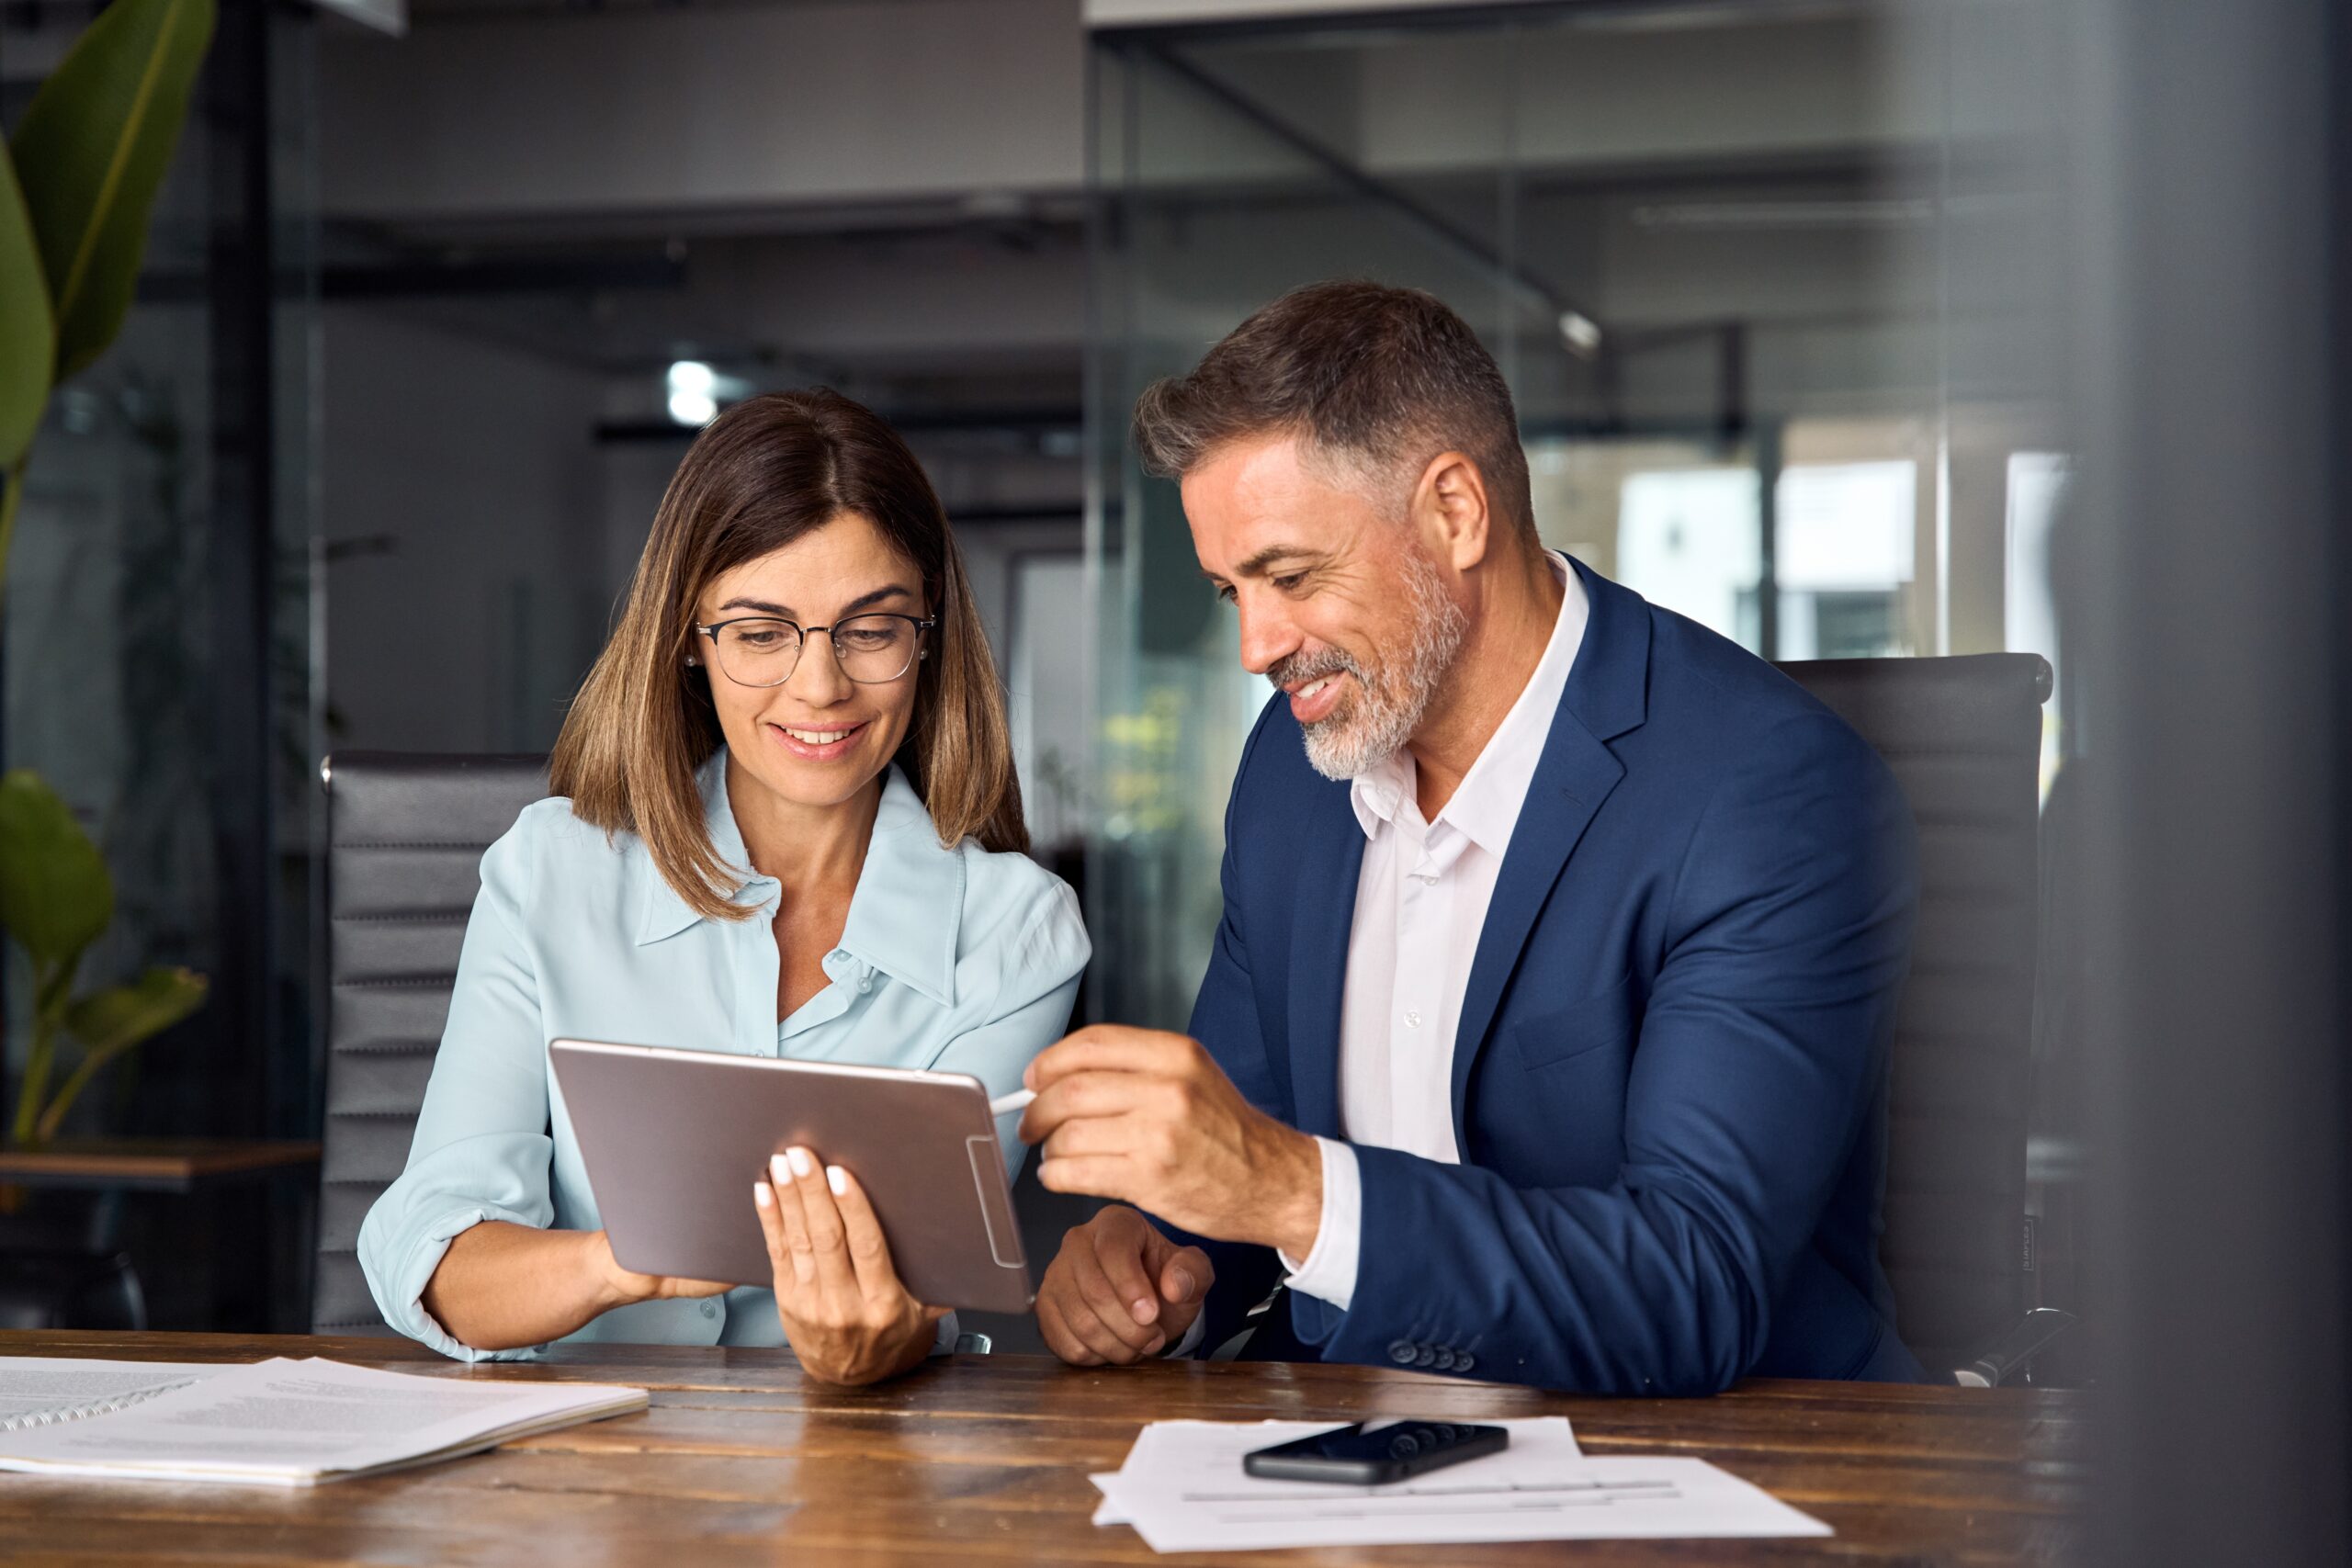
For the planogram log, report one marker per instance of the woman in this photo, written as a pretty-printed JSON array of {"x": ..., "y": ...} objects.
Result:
[{"x": 785, "y": 823}]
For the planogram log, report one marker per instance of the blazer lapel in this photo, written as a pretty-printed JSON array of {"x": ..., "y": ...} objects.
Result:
[
  {"x": 1330, "y": 857},
  {"x": 1607, "y": 694}
]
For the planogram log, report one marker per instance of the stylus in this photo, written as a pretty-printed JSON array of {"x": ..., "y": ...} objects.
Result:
[{"x": 1006, "y": 1104}]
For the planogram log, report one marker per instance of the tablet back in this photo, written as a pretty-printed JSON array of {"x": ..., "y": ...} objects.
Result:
[{"x": 673, "y": 1140}]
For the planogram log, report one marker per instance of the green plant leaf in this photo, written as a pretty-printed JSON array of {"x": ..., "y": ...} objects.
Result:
[
  {"x": 55, "y": 892},
  {"x": 115, "y": 1021},
  {"x": 121, "y": 1016},
  {"x": 27, "y": 330},
  {"x": 91, "y": 152}
]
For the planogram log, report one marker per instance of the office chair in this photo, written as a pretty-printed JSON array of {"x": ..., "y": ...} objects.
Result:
[
  {"x": 1963, "y": 738},
  {"x": 405, "y": 836}
]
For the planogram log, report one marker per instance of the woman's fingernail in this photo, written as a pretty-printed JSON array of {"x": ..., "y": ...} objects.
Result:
[
  {"x": 802, "y": 1164},
  {"x": 837, "y": 1178},
  {"x": 761, "y": 1195},
  {"x": 778, "y": 1171}
]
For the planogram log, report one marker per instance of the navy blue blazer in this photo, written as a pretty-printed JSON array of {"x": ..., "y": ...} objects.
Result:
[{"x": 1669, "y": 1080}]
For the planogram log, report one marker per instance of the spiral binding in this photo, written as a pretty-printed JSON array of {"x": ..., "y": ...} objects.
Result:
[{"x": 82, "y": 1412}]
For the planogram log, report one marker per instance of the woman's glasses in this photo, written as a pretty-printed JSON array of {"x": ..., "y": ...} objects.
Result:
[{"x": 763, "y": 650}]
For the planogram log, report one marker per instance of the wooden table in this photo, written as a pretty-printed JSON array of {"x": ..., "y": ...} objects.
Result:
[{"x": 982, "y": 1461}]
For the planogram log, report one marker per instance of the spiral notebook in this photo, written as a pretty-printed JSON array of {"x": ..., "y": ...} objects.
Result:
[{"x": 278, "y": 1423}]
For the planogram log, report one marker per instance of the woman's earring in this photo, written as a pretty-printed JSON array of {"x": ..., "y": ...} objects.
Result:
[{"x": 692, "y": 661}]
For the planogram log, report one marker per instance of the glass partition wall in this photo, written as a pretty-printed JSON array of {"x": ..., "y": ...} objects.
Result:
[
  {"x": 1776, "y": 288},
  {"x": 159, "y": 668}
]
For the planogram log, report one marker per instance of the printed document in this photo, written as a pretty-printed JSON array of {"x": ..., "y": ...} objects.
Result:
[{"x": 1182, "y": 1488}]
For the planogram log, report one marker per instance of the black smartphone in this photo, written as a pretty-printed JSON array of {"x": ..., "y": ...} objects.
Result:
[{"x": 1390, "y": 1452}]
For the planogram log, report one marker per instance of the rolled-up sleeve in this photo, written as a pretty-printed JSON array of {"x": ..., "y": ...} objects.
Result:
[
  {"x": 1039, "y": 971},
  {"x": 482, "y": 1150}
]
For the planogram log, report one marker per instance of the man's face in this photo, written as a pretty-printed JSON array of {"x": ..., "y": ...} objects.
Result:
[{"x": 1341, "y": 604}]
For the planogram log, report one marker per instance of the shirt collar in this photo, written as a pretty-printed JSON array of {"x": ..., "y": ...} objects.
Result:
[
  {"x": 903, "y": 915},
  {"x": 1485, "y": 806}
]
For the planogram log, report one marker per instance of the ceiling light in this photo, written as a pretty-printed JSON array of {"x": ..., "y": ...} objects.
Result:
[{"x": 693, "y": 389}]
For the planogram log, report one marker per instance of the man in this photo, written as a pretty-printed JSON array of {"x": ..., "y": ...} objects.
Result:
[{"x": 1545, "y": 1037}]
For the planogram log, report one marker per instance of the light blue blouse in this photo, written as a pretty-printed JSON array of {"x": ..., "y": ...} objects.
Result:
[{"x": 953, "y": 959}]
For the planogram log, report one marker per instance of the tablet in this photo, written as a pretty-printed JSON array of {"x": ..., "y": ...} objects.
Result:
[{"x": 673, "y": 1140}]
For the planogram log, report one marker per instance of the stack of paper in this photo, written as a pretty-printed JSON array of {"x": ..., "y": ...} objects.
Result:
[
  {"x": 1183, "y": 1489},
  {"x": 283, "y": 1423}
]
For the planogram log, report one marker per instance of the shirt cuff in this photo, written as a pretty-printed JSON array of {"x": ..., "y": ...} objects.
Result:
[
  {"x": 401, "y": 1298},
  {"x": 1192, "y": 1340},
  {"x": 1330, "y": 1272}
]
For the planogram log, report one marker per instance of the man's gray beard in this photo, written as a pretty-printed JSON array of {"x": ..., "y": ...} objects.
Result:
[{"x": 1385, "y": 713}]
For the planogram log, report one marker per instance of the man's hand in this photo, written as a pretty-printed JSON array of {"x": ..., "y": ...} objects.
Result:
[
  {"x": 1151, "y": 1118},
  {"x": 1120, "y": 1291}
]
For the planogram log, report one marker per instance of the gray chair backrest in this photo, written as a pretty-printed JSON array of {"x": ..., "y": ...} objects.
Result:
[
  {"x": 405, "y": 835},
  {"x": 1963, "y": 738}
]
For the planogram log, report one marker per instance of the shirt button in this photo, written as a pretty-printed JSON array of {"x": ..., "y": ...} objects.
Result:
[
  {"x": 710, "y": 1309},
  {"x": 1412, "y": 1020}
]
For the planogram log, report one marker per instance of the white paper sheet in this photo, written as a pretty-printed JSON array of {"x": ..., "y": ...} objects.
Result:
[
  {"x": 1183, "y": 1489},
  {"x": 1204, "y": 1458},
  {"x": 294, "y": 1422}
]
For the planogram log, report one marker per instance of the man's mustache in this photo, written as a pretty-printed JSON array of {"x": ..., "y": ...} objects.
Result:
[{"x": 1313, "y": 667}]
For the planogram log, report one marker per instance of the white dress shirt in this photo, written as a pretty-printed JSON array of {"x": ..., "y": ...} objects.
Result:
[{"x": 1421, "y": 897}]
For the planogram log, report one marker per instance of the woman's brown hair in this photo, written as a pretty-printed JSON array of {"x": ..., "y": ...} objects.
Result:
[{"x": 761, "y": 475}]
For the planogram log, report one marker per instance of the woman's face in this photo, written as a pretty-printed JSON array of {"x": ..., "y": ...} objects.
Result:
[{"x": 819, "y": 738}]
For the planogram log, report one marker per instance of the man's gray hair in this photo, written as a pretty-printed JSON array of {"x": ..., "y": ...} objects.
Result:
[{"x": 1376, "y": 380}]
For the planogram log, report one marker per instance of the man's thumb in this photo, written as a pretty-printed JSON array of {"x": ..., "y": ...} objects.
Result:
[{"x": 1182, "y": 1279}]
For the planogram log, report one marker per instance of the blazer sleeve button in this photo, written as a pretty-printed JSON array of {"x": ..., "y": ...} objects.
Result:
[{"x": 1401, "y": 1352}]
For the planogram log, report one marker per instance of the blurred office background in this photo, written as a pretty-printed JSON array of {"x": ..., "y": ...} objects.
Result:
[{"x": 1815, "y": 311}]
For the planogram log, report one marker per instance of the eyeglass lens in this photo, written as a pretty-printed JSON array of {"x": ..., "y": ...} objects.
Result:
[{"x": 872, "y": 649}]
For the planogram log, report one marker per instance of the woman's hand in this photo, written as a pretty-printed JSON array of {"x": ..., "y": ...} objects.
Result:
[
  {"x": 624, "y": 1287},
  {"x": 849, "y": 1319},
  {"x": 500, "y": 1286}
]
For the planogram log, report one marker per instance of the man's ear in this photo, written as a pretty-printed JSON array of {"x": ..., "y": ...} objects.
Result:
[{"x": 1449, "y": 505}]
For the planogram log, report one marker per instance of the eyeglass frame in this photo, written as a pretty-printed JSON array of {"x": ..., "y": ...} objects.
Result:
[{"x": 923, "y": 625}]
